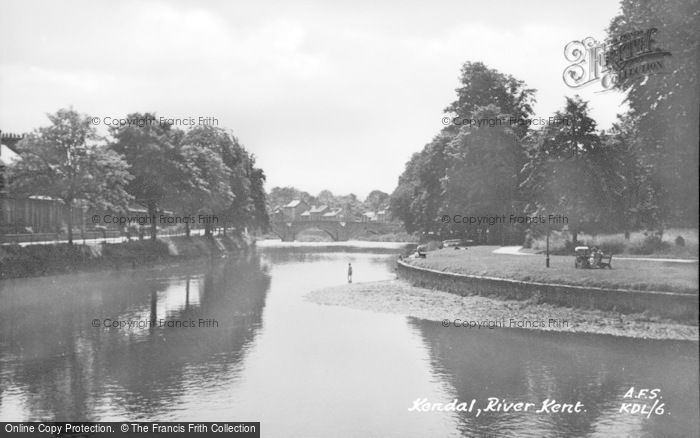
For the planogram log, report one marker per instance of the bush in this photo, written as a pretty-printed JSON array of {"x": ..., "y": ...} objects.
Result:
[
  {"x": 650, "y": 245},
  {"x": 611, "y": 244},
  {"x": 558, "y": 243},
  {"x": 680, "y": 241}
]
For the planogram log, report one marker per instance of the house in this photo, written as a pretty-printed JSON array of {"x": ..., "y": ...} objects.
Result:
[
  {"x": 335, "y": 214},
  {"x": 369, "y": 216},
  {"x": 277, "y": 214},
  {"x": 294, "y": 209},
  {"x": 317, "y": 212},
  {"x": 7, "y": 156}
]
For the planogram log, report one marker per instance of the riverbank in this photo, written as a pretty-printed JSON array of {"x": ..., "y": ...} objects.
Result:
[
  {"x": 399, "y": 297},
  {"x": 639, "y": 275},
  {"x": 37, "y": 260}
]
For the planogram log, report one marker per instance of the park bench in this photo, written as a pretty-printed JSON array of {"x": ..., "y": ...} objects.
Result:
[
  {"x": 604, "y": 264},
  {"x": 585, "y": 259}
]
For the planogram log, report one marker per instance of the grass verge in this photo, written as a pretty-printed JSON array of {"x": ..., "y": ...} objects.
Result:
[{"x": 626, "y": 274}]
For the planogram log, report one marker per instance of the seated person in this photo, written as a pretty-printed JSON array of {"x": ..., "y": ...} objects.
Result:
[{"x": 597, "y": 256}]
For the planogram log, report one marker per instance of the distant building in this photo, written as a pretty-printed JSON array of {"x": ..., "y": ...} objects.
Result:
[
  {"x": 335, "y": 214},
  {"x": 294, "y": 209},
  {"x": 277, "y": 213},
  {"x": 381, "y": 216},
  {"x": 7, "y": 156},
  {"x": 317, "y": 212},
  {"x": 369, "y": 216}
]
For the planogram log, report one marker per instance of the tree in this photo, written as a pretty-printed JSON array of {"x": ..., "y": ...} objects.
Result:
[
  {"x": 420, "y": 195},
  {"x": 482, "y": 176},
  {"x": 260, "y": 218},
  {"x": 418, "y": 199},
  {"x": 65, "y": 161},
  {"x": 403, "y": 195},
  {"x": 325, "y": 197},
  {"x": 376, "y": 200},
  {"x": 208, "y": 188},
  {"x": 481, "y": 86},
  {"x": 665, "y": 102},
  {"x": 248, "y": 206},
  {"x": 570, "y": 172},
  {"x": 223, "y": 180},
  {"x": 159, "y": 170},
  {"x": 636, "y": 193},
  {"x": 280, "y": 196}
]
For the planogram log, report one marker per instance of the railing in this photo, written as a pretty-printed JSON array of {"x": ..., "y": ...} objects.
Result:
[{"x": 96, "y": 236}]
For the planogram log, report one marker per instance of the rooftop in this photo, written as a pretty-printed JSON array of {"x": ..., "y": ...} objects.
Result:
[{"x": 294, "y": 203}]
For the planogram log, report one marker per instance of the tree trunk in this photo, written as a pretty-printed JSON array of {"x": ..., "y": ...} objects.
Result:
[
  {"x": 574, "y": 236},
  {"x": 70, "y": 222},
  {"x": 187, "y": 228},
  {"x": 152, "y": 210}
]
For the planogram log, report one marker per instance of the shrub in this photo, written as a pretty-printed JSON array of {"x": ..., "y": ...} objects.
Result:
[
  {"x": 650, "y": 245},
  {"x": 558, "y": 243},
  {"x": 611, "y": 244},
  {"x": 680, "y": 241}
]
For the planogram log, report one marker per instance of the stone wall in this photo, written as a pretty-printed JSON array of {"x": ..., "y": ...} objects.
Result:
[{"x": 677, "y": 306}]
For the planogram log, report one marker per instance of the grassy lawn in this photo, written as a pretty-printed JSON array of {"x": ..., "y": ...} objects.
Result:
[{"x": 626, "y": 274}]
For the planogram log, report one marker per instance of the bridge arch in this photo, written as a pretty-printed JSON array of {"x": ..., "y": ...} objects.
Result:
[{"x": 337, "y": 230}]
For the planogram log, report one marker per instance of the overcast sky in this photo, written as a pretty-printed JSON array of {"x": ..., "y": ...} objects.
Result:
[{"x": 334, "y": 95}]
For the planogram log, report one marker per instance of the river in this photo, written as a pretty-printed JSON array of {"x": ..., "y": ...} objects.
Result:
[{"x": 258, "y": 351}]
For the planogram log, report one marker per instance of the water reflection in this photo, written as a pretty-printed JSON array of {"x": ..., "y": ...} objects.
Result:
[
  {"x": 61, "y": 368},
  {"x": 597, "y": 370},
  {"x": 304, "y": 369}
]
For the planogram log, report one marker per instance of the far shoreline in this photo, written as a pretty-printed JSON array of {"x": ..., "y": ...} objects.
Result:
[{"x": 399, "y": 297}]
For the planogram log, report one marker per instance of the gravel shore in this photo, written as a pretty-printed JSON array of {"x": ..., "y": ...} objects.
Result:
[{"x": 398, "y": 296}]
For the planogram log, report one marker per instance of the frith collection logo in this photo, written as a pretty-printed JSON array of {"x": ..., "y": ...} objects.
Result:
[{"x": 629, "y": 55}]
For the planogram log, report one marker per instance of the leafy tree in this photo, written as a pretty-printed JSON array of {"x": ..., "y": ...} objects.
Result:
[
  {"x": 637, "y": 203},
  {"x": 570, "y": 172},
  {"x": 376, "y": 200},
  {"x": 159, "y": 170},
  {"x": 418, "y": 199},
  {"x": 482, "y": 177},
  {"x": 260, "y": 218},
  {"x": 65, "y": 161},
  {"x": 223, "y": 180},
  {"x": 248, "y": 206},
  {"x": 325, "y": 197},
  {"x": 420, "y": 195},
  {"x": 208, "y": 189},
  {"x": 481, "y": 86},
  {"x": 280, "y": 196},
  {"x": 403, "y": 195},
  {"x": 665, "y": 103}
]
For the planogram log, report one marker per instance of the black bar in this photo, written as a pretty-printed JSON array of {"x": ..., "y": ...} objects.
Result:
[{"x": 126, "y": 429}]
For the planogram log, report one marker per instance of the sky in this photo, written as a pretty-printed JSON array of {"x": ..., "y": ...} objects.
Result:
[{"x": 327, "y": 95}]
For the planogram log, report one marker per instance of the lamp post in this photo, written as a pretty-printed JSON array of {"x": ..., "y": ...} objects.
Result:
[{"x": 547, "y": 259}]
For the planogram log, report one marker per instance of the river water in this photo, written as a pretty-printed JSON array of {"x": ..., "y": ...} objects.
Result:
[{"x": 264, "y": 353}]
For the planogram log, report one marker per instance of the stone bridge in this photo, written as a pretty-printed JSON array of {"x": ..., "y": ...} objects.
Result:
[{"x": 339, "y": 231}]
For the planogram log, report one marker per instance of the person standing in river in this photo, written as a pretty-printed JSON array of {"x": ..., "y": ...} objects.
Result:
[{"x": 349, "y": 273}]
